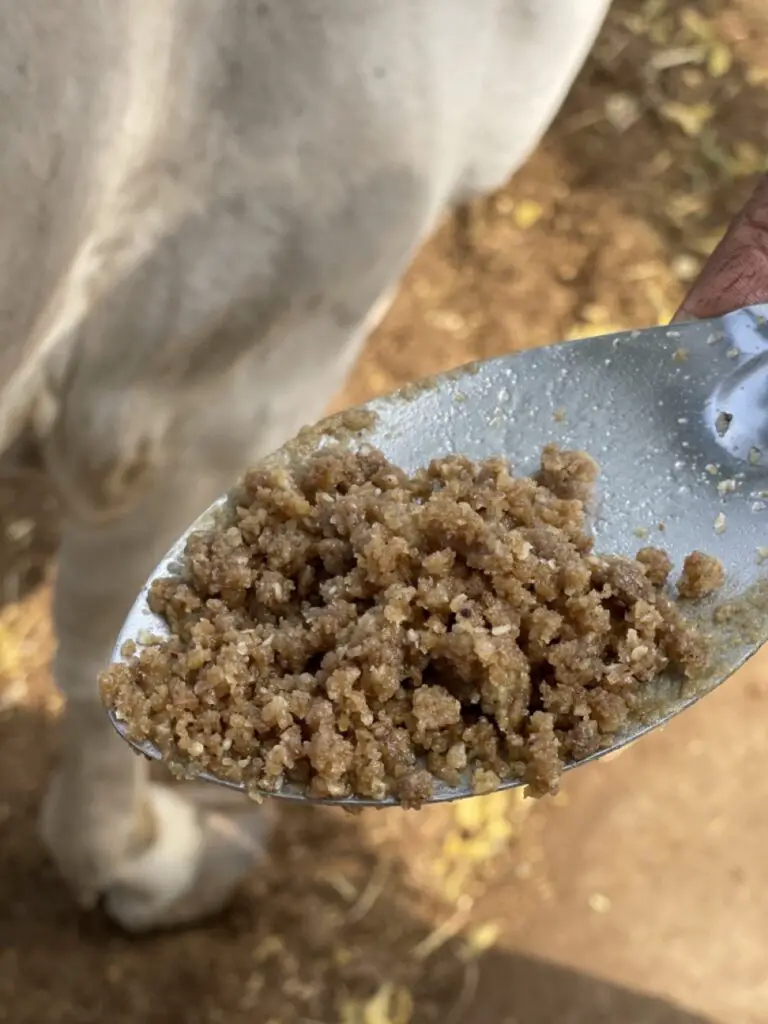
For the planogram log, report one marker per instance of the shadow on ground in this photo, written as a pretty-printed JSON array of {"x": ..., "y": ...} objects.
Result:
[{"x": 298, "y": 947}]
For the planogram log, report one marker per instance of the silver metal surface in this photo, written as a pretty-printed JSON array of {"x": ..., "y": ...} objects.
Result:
[{"x": 677, "y": 418}]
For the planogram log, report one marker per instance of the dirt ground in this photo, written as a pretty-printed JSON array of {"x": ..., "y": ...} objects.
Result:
[{"x": 637, "y": 896}]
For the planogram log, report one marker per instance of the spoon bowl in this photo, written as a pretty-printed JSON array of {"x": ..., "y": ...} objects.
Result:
[{"x": 677, "y": 419}]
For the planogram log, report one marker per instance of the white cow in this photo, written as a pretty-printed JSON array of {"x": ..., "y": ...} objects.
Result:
[{"x": 206, "y": 206}]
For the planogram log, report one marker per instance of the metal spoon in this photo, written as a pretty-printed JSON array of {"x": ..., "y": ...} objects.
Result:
[{"x": 677, "y": 418}]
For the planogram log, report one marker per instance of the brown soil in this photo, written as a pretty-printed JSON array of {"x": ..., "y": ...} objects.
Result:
[{"x": 639, "y": 894}]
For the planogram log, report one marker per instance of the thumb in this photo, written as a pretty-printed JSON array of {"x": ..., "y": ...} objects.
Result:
[{"x": 736, "y": 274}]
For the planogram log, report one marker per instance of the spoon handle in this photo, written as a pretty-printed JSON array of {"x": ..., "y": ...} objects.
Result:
[{"x": 736, "y": 274}]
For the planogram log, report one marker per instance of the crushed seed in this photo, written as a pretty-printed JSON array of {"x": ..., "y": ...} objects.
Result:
[
  {"x": 702, "y": 575},
  {"x": 726, "y": 486},
  {"x": 353, "y": 630}
]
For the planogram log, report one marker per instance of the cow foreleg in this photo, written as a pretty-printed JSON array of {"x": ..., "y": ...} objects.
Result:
[{"x": 149, "y": 851}]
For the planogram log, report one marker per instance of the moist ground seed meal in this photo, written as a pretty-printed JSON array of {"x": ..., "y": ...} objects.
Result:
[{"x": 356, "y": 630}]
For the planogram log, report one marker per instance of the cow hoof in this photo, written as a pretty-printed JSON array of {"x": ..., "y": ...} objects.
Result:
[{"x": 197, "y": 860}]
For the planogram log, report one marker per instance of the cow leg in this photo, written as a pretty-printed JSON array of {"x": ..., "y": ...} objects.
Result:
[
  {"x": 160, "y": 855},
  {"x": 146, "y": 849}
]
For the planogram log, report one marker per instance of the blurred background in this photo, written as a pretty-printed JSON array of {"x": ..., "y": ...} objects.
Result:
[{"x": 639, "y": 895}]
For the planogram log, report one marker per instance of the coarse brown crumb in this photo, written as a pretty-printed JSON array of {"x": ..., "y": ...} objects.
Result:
[
  {"x": 658, "y": 565},
  {"x": 356, "y": 631},
  {"x": 702, "y": 575}
]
